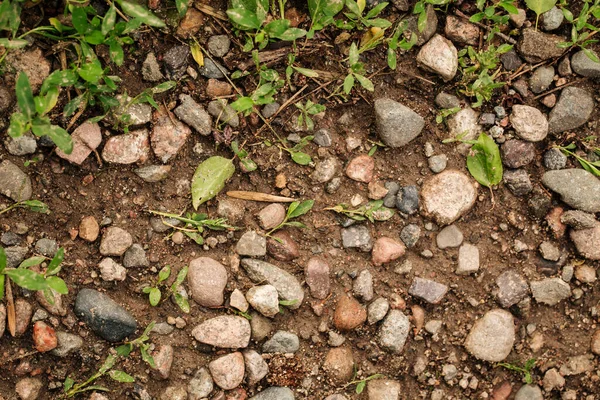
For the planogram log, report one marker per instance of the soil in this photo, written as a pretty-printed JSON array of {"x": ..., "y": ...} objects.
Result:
[{"x": 115, "y": 192}]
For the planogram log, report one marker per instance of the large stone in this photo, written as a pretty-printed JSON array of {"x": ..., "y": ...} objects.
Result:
[
  {"x": 397, "y": 124},
  {"x": 447, "y": 196},
  {"x": 577, "y": 187},
  {"x": 460, "y": 30},
  {"x": 251, "y": 244},
  {"x": 194, "y": 115},
  {"x": 384, "y": 389},
  {"x": 492, "y": 336},
  {"x": 287, "y": 285},
  {"x": 128, "y": 148},
  {"x": 394, "y": 331},
  {"x": 226, "y": 331},
  {"x": 573, "y": 109},
  {"x": 264, "y": 299},
  {"x": 585, "y": 66},
  {"x": 536, "y": 46},
  {"x": 275, "y": 393},
  {"x": 207, "y": 279},
  {"x": 228, "y": 371},
  {"x": 550, "y": 291},
  {"x": 587, "y": 242},
  {"x": 529, "y": 123},
  {"x": 16, "y": 184},
  {"x": 86, "y": 138},
  {"x": 440, "y": 56},
  {"x": 104, "y": 316}
]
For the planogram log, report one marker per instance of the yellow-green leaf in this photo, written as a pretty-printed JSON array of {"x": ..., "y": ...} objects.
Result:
[{"x": 197, "y": 54}]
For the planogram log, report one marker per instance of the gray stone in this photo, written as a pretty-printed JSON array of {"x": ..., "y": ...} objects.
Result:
[
  {"x": 447, "y": 196},
  {"x": 549, "y": 251},
  {"x": 410, "y": 235},
  {"x": 223, "y": 112},
  {"x": 450, "y": 236},
  {"x": 431, "y": 291},
  {"x": 492, "y": 337},
  {"x": 135, "y": 256},
  {"x": 163, "y": 328},
  {"x": 377, "y": 310},
  {"x": 153, "y": 173},
  {"x": 46, "y": 247},
  {"x": 587, "y": 242},
  {"x": 103, "y": 316},
  {"x": 270, "y": 109},
  {"x": 468, "y": 259},
  {"x": 21, "y": 145},
  {"x": 577, "y": 187},
  {"x": 517, "y": 181},
  {"x": 541, "y": 79},
  {"x": 274, "y": 393},
  {"x": 536, "y": 46},
  {"x": 578, "y": 219},
  {"x": 264, "y": 299},
  {"x": 200, "y": 386},
  {"x": 512, "y": 288},
  {"x": 529, "y": 123},
  {"x": 446, "y": 101},
  {"x": 439, "y": 56},
  {"x": 151, "y": 69},
  {"x": 576, "y": 365},
  {"x": 67, "y": 343},
  {"x": 323, "y": 137},
  {"x": 465, "y": 123},
  {"x": 325, "y": 170},
  {"x": 407, "y": 199},
  {"x": 487, "y": 119},
  {"x": 115, "y": 241},
  {"x": 430, "y": 26},
  {"x": 161, "y": 225},
  {"x": 555, "y": 159},
  {"x": 394, "y": 331},
  {"x": 10, "y": 239},
  {"x": 511, "y": 60},
  {"x": 212, "y": 69},
  {"x": 194, "y": 115},
  {"x": 363, "y": 286},
  {"x": 256, "y": 367},
  {"x": 110, "y": 270},
  {"x": 138, "y": 113},
  {"x": 251, "y": 244},
  {"x": 175, "y": 60},
  {"x": 551, "y": 20},
  {"x": 585, "y": 66},
  {"x": 530, "y": 392},
  {"x": 218, "y": 45},
  {"x": 517, "y": 153},
  {"x": 287, "y": 285},
  {"x": 573, "y": 109},
  {"x": 357, "y": 236},
  {"x": 226, "y": 331},
  {"x": 437, "y": 163},
  {"x": 16, "y": 184},
  {"x": 207, "y": 279},
  {"x": 397, "y": 124},
  {"x": 282, "y": 342},
  {"x": 564, "y": 67},
  {"x": 15, "y": 255},
  {"x": 550, "y": 291}
]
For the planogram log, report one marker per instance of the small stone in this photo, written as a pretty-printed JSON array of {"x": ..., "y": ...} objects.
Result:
[
  {"x": 335, "y": 339},
  {"x": 511, "y": 60},
  {"x": 390, "y": 116},
  {"x": 207, "y": 279},
  {"x": 577, "y": 365},
  {"x": 21, "y": 145},
  {"x": 447, "y": 196},
  {"x": 410, "y": 235},
  {"x": 440, "y": 56},
  {"x": 128, "y": 148},
  {"x": 217, "y": 88},
  {"x": 218, "y": 45},
  {"x": 325, "y": 170},
  {"x": 517, "y": 181},
  {"x": 437, "y": 163},
  {"x": 281, "y": 246},
  {"x": 251, "y": 244},
  {"x": 363, "y": 286},
  {"x": 200, "y": 386},
  {"x": 376, "y": 190},
  {"x": 256, "y": 367},
  {"x": 577, "y": 187},
  {"x": 377, "y": 310},
  {"x": 468, "y": 259},
  {"x": 386, "y": 250},
  {"x": 549, "y": 251},
  {"x": 446, "y": 101},
  {"x": 270, "y": 109},
  {"x": 163, "y": 359},
  {"x": 578, "y": 219},
  {"x": 573, "y": 109},
  {"x": 274, "y": 393},
  {"x": 339, "y": 365},
  {"x": 464, "y": 123},
  {"x": 168, "y": 137},
  {"x": 492, "y": 337},
  {"x": 10, "y": 239},
  {"x": 223, "y": 112},
  {"x": 323, "y": 138},
  {"x": 264, "y": 299},
  {"x": 29, "y": 388},
  {"x": 170, "y": 393},
  {"x": 487, "y": 119},
  {"x": 261, "y": 327},
  {"x": 46, "y": 247},
  {"x": 357, "y": 236},
  {"x": 361, "y": 168},
  {"x": 550, "y": 291},
  {"x": 44, "y": 337},
  {"x": 512, "y": 288},
  {"x": 225, "y": 331},
  {"x": 433, "y": 326},
  {"x": 89, "y": 229},
  {"x": 191, "y": 23},
  {"x": 407, "y": 200},
  {"x": 213, "y": 70},
  {"x": 383, "y": 389},
  {"x": 536, "y": 46},
  {"x": 529, "y": 123},
  {"x": 551, "y": 20},
  {"x": 238, "y": 301},
  {"x": 287, "y": 285},
  {"x": 16, "y": 184},
  {"x": 15, "y": 255},
  {"x": 111, "y": 270},
  {"x": 194, "y": 115},
  {"x": 115, "y": 241},
  {"x": 530, "y": 392},
  {"x": 228, "y": 371},
  {"x": 585, "y": 274},
  {"x": 450, "y": 236},
  {"x": 394, "y": 331},
  {"x": 428, "y": 290},
  {"x": 549, "y": 100},
  {"x": 585, "y": 66},
  {"x": 271, "y": 216},
  {"x": 316, "y": 275},
  {"x": 541, "y": 79},
  {"x": 151, "y": 69},
  {"x": 461, "y": 31},
  {"x": 555, "y": 159},
  {"x": 517, "y": 153},
  {"x": 153, "y": 173},
  {"x": 175, "y": 60},
  {"x": 349, "y": 314},
  {"x": 282, "y": 342},
  {"x": 135, "y": 256},
  {"x": 67, "y": 344}
]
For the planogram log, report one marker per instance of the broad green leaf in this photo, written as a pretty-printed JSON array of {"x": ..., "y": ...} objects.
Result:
[
  {"x": 195, "y": 236},
  {"x": 91, "y": 71},
  {"x": 121, "y": 376},
  {"x": 14, "y": 43},
  {"x": 68, "y": 384},
  {"x": 375, "y": 11},
  {"x": 182, "y": 302},
  {"x": 277, "y": 27},
  {"x": 59, "y": 136},
  {"x": 79, "y": 20},
  {"x": 484, "y": 162},
  {"x": 2, "y": 279},
  {"x": 182, "y": 6},
  {"x": 360, "y": 387},
  {"x": 34, "y": 205},
  {"x": 163, "y": 87},
  {"x": 245, "y": 19},
  {"x": 94, "y": 37},
  {"x": 74, "y": 104},
  {"x": 301, "y": 209},
  {"x": 57, "y": 284},
  {"x": 116, "y": 52},
  {"x": 306, "y": 72},
  {"x": 197, "y": 54},
  {"x": 322, "y": 12},
  {"x": 353, "y": 54},
  {"x": 108, "y": 23},
  {"x": 54, "y": 266},
  {"x": 124, "y": 349},
  {"x": 242, "y": 104},
  {"x": 180, "y": 276},
  {"x": 25, "y": 96},
  {"x": 32, "y": 261},
  {"x": 154, "y": 297},
  {"x": 540, "y": 6},
  {"x": 348, "y": 83},
  {"x": 164, "y": 273},
  {"x": 27, "y": 279},
  {"x": 209, "y": 179},
  {"x": 365, "y": 82},
  {"x": 2, "y": 259},
  {"x": 109, "y": 362},
  {"x": 301, "y": 158},
  {"x": 19, "y": 124},
  {"x": 292, "y": 34},
  {"x": 141, "y": 13}
]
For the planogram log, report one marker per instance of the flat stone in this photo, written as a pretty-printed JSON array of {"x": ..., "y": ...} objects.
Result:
[
  {"x": 103, "y": 316},
  {"x": 530, "y": 392},
  {"x": 431, "y": 291},
  {"x": 529, "y": 123},
  {"x": 517, "y": 181},
  {"x": 251, "y": 244},
  {"x": 440, "y": 56},
  {"x": 573, "y": 109},
  {"x": 468, "y": 259},
  {"x": 460, "y": 30},
  {"x": 228, "y": 371},
  {"x": 577, "y": 187},
  {"x": 492, "y": 337},
  {"x": 361, "y": 168},
  {"x": 213, "y": 69},
  {"x": 264, "y": 299},
  {"x": 585, "y": 66},
  {"x": 449, "y": 236},
  {"x": 226, "y": 331},
  {"x": 512, "y": 288},
  {"x": 447, "y": 196},
  {"x": 316, "y": 275},
  {"x": 16, "y": 184},
  {"x": 163, "y": 359},
  {"x": 46, "y": 247},
  {"x": 349, "y": 314},
  {"x": 86, "y": 138},
  {"x": 576, "y": 365},
  {"x": 89, "y": 229},
  {"x": 541, "y": 79},
  {"x": 517, "y": 153},
  {"x": 29, "y": 388},
  {"x": 201, "y": 385},
  {"x": 383, "y": 389},
  {"x": 274, "y": 393},
  {"x": 339, "y": 365},
  {"x": 67, "y": 344},
  {"x": 377, "y": 310},
  {"x": 464, "y": 123},
  {"x": 578, "y": 219},
  {"x": 287, "y": 285},
  {"x": 21, "y": 145},
  {"x": 554, "y": 159},
  {"x": 115, "y": 241},
  {"x": 550, "y": 291},
  {"x": 394, "y": 331},
  {"x": 256, "y": 367},
  {"x": 194, "y": 115},
  {"x": 357, "y": 236},
  {"x": 397, "y": 125},
  {"x": 153, "y": 173},
  {"x": 587, "y": 242},
  {"x": 135, "y": 257},
  {"x": 386, "y": 250},
  {"x": 207, "y": 279},
  {"x": 218, "y": 45},
  {"x": 151, "y": 69},
  {"x": 238, "y": 301},
  {"x": 127, "y": 148},
  {"x": 168, "y": 137},
  {"x": 282, "y": 342},
  {"x": 271, "y": 216},
  {"x": 362, "y": 287},
  {"x": 536, "y": 46}
]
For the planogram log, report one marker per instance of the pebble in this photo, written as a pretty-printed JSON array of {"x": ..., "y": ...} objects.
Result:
[
  {"x": 578, "y": 219},
  {"x": 194, "y": 115},
  {"x": 389, "y": 115},
  {"x": 339, "y": 365},
  {"x": 325, "y": 170},
  {"x": 554, "y": 159},
  {"x": 587, "y": 241},
  {"x": 577, "y": 187},
  {"x": 128, "y": 148},
  {"x": 407, "y": 199},
  {"x": 437, "y": 163},
  {"x": 512, "y": 288},
  {"x": 213, "y": 70},
  {"x": 585, "y": 66},
  {"x": 151, "y": 69},
  {"x": 386, "y": 250},
  {"x": 103, "y": 316},
  {"x": 23, "y": 313},
  {"x": 361, "y": 168},
  {"x": 553, "y": 380},
  {"x": 362, "y": 287},
  {"x": 287, "y": 285},
  {"x": 410, "y": 235},
  {"x": 238, "y": 301},
  {"x": 431, "y": 291},
  {"x": 377, "y": 310},
  {"x": 15, "y": 255},
  {"x": 29, "y": 388},
  {"x": 218, "y": 45},
  {"x": 207, "y": 279},
  {"x": 217, "y": 88},
  {"x": 46, "y": 247},
  {"x": 433, "y": 326},
  {"x": 21, "y": 145},
  {"x": 551, "y": 20},
  {"x": 274, "y": 393},
  {"x": 201, "y": 385},
  {"x": 576, "y": 365},
  {"x": 168, "y": 137},
  {"x": 447, "y": 196},
  {"x": 439, "y": 56},
  {"x": 517, "y": 181},
  {"x": 86, "y": 138},
  {"x": 323, "y": 137},
  {"x": 264, "y": 299},
  {"x": 110, "y": 270},
  {"x": 256, "y": 367},
  {"x": 550, "y": 291},
  {"x": 163, "y": 359},
  {"x": 316, "y": 275},
  {"x": 175, "y": 60},
  {"x": 393, "y": 332},
  {"x": 465, "y": 123},
  {"x": 461, "y": 31},
  {"x": 226, "y": 331},
  {"x": 573, "y": 109},
  {"x": 115, "y": 241},
  {"x": 89, "y": 229},
  {"x": 357, "y": 236},
  {"x": 541, "y": 79},
  {"x": 468, "y": 259},
  {"x": 517, "y": 153},
  {"x": 281, "y": 246},
  {"x": 282, "y": 342},
  {"x": 349, "y": 314},
  {"x": 448, "y": 237},
  {"x": 335, "y": 339},
  {"x": 10, "y": 239},
  {"x": 271, "y": 216},
  {"x": 511, "y": 60},
  {"x": 530, "y": 392},
  {"x": 228, "y": 371},
  {"x": 251, "y": 244},
  {"x": 44, "y": 337},
  {"x": 153, "y": 173},
  {"x": 445, "y": 101},
  {"x": 529, "y": 123},
  {"x": 383, "y": 389},
  {"x": 67, "y": 344},
  {"x": 171, "y": 393},
  {"x": 225, "y": 114},
  {"x": 492, "y": 337},
  {"x": 536, "y": 46},
  {"x": 16, "y": 184},
  {"x": 549, "y": 251},
  {"x": 549, "y": 100},
  {"x": 135, "y": 256}
]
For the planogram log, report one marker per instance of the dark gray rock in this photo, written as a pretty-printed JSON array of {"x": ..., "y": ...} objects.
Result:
[
  {"x": 397, "y": 124},
  {"x": 46, "y": 247},
  {"x": 213, "y": 69},
  {"x": 15, "y": 256},
  {"x": 541, "y": 79},
  {"x": 577, "y": 187},
  {"x": 410, "y": 234},
  {"x": 194, "y": 115},
  {"x": 10, "y": 239},
  {"x": 103, "y": 316},
  {"x": 390, "y": 198},
  {"x": 578, "y": 219},
  {"x": 555, "y": 159},
  {"x": 517, "y": 181},
  {"x": 511, "y": 60},
  {"x": 573, "y": 109},
  {"x": 218, "y": 45},
  {"x": 282, "y": 342},
  {"x": 517, "y": 153},
  {"x": 175, "y": 60},
  {"x": 407, "y": 199},
  {"x": 585, "y": 66},
  {"x": 135, "y": 256},
  {"x": 323, "y": 138}
]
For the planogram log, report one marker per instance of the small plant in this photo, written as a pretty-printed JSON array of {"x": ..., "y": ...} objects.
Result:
[
  {"x": 298, "y": 156},
  {"x": 247, "y": 164},
  {"x": 121, "y": 116},
  {"x": 395, "y": 43},
  {"x": 590, "y": 166},
  {"x": 356, "y": 72},
  {"x": 295, "y": 210},
  {"x": 582, "y": 29},
  {"x": 483, "y": 161},
  {"x": 141, "y": 343},
  {"x": 525, "y": 370},
  {"x": 309, "y": 108},
  {"x": 362, "y": 383},
  {"x": 493, "y": 12},
  {"x": 373, "y": 211},
  {"x": 155, "y": 294},
  {"x": 539, "y": 7},
  {"x": 31, "y": 205},
  {"x": 286, "y": 303},
  {"x": 445, "y": 113},
  {"x": 291, "y": 68},
  {"x": 10, "y": 19},
  {"x": 195, "y": 224},
  {"x": 208, "y": 180},
  {"x": 420, "y": 8},
  {"x": 322, "y": 13},
  {"x": 359, "y": 21}
]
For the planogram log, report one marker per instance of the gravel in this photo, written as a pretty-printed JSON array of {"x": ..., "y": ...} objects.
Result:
[
  {"x": 389, "y": 115},
  {"x": 357, "y": 237},
  {"x": 287, "y": 285},
  {"x": 554, "y": 159},
  {"x": 529, "y": 123},
  {"x": 550, "y": 291},
  {"x": 585, "y": 66},
  {"x": 450, "y": 236},
  {"x": 573, "y": 109},
  {"x": 439, "y": 56},
  {"x": 492, "y": 337},
  {"x": 393, "y": 332},
  {"x": 16, "y": 184},
  {"x": 207, "y": 279},
  {"x": 447, "y": 196}
]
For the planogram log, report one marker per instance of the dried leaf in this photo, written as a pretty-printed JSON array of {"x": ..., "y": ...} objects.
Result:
[
  {"x": 197, "y": 54},
  {"x": 256, "y": 196}
]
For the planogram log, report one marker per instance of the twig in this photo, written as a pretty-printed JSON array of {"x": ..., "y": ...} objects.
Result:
[
  {"x": 517, "y": 74},
  {"x": 487, "y": 28},
  {"x": 206, "y": 9},
  {"x": 558, "y": 88},
  {"x": 10, "y": 309},
  {"x": 256, "y": 196}
]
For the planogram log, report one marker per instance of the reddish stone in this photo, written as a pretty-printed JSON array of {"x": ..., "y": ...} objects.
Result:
[
  {"x": 217, "y": 88},
  {"x": 236, "y": 394},
  {"x": 168, "y": 136},
  {"x": 282, "y": 247},
  {"x": 361, "y": 168},
  {"x": 86, "y": 137},
  {"x": 44, "y": 337},
  {"x": 502, "y": 391},
  {"x": 316, "y": 275},
  {"x": 387, "y": 249},
  {"x": 191, "y": 23},
  {"x": 349, "y": 314},
  {"x": 554, "y": 223}
]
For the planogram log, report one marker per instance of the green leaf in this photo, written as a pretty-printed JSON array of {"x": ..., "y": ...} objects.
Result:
[
  {"x": 484, "y": 161},
  {"x": 2, "y": 279},
  {"x": 68, "y": 384},
  {"x": 301, "y": 158},
  {"x": 141, "y": 13},
  {"x": 182, "y": 302},
  {"x": 353, "y": 54},
  {"x": 116, "y": 52},
  {"x": 306, "y": 72},
  {"x": 277, "y": 27},
  {"x": 154, "y": 297},
  {"x": 121, "y": 376},
  {"x": 32, "y": 261},
  {"x": 591, "y": 55},
  {"x": 91, "y": 71},
  {"x": 300, "y": 209},
  {"x": 365, "y": 82},
  {"x": 245, "y": 19},
  {"x": 27, "y": 279},
  {"x": 182, "y": 6},
  {"x": 108, "y": 23},
  {"x": 195, "y": 236},
  {"x": 348, "y": 83},
  {"x": 59, "y": 136},
  {"x": 2, "y": 259},
  {"x": 242, "y": 104},
  {"x": 147, "y": 357},
  {"x": 25, "y": 96},
  {"x": 360, "y": 387},
  {"x": 57, "y": 284},
  {"x": 34, "y": 205},
  {"x": 180, "y": 277},
  {"x": 109, "y": 362},
  {"x": 210, "y": 178},
  {"x": 14, "y": 43},
  {"x": 163, "y": 87},
  {"x": 19, "y": 124},
  {"x": 540, "y": 6},
  {"x": 124, "y": 349},
  {"x": 322, "y": 12},
  {"x": 79, "y": 20},
  {"x": 292, "y": 34},
  {"x": 164, "y": 274},
  {"x": 54, "y": 266}
]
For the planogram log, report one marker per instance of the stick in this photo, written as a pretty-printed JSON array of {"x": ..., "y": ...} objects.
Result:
[
  {"x": 256, "y": 196},
  {"x": 206, "y": 9},
  {"x": 10, "y": 309},
  {"x": 558, "y": 88}
]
